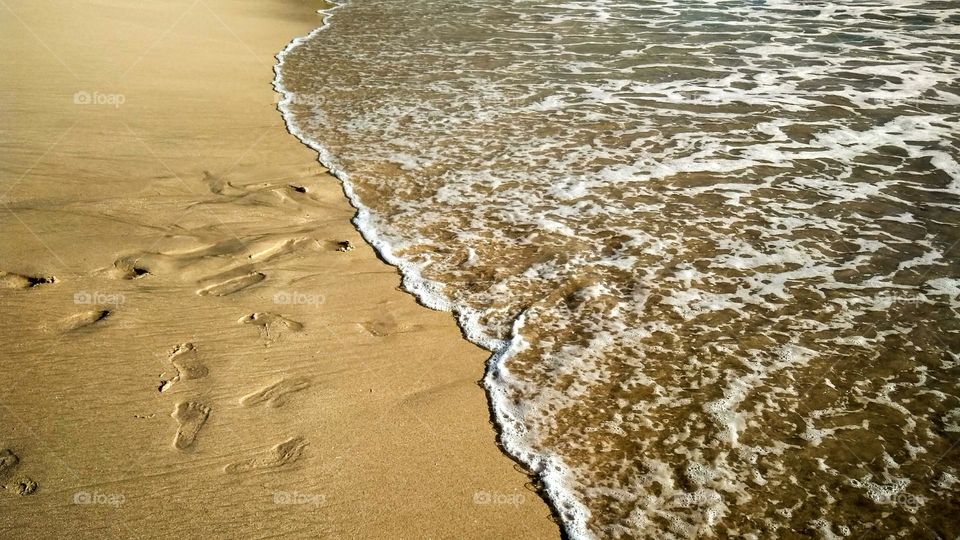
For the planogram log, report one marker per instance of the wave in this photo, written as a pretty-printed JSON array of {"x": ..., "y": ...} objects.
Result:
[{"x": 707, "y": 244}]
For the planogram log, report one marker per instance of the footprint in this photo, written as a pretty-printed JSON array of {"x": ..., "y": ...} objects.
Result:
[
  {"x": 10, "y": 280},
  {"x": 262, "y": 193},
  {"x": 217, "y": 185},
  {"x": 288, "y": 451},
  {"x": 271, "y": 325},
  {"x": 129, "y": 269},
  {"x": 212, "y": 263},
  {"x": 24, "y": 486},
  {"x": 231, "y": 286},
  {"x": 8, "y": 461},
  {"x": 386, "y": 326},
  {"x": 190, "y": 417},
  {"x": 276, "y": 394},
  {"x": 220, "y": 186},
  {"x": 80, "y": 320},
  {"x": 184, "y": 359},
  {"x": 379, "y": 328}
]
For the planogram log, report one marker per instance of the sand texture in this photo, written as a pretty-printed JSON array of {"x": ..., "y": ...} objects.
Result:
[{"x": 185, "y": 351}]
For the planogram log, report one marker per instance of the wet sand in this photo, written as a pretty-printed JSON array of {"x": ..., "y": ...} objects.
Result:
[{"x": 186, "y": 351}]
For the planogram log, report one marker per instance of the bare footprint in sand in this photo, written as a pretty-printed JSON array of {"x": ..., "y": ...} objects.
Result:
[
  {"x": 220, "y": 186},
  {"x": 379, "y": 328},
  {"x": 83, "y": 319},
  {"x": 129, "y": 268},
  {"x": 233, "y": 285},
  {"x": 10, "y": 280},
  {"x": 23, "y": 487},
  {"x": 184, "y": 360},
  {"x": 190, "y": 417},
  {"x": 210, "y": 265},
  {"x": 276, "y": 394},
  {"x": 8, "y": 461},
  {"x": 386, "y": 326},
  {"x": 286, "y": 452},
  {"x": 262, "y": 193},
  {"x": 271, "y": 325}
]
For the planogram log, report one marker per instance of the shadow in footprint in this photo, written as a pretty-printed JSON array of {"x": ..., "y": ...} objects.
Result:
[
  {"x": 10, "y": 280},
  {"x": 129, "y": 269},
  {"x": 23, "y": 486},
  {"x": 81, "y": 320},
  {"x": 286, "y": 452}
]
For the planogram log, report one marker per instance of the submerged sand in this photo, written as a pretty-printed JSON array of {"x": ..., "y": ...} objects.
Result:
[{"x": 186, "y": 351}]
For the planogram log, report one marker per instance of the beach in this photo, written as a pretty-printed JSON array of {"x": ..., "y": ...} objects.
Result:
[{"x": 196, "y": 340}]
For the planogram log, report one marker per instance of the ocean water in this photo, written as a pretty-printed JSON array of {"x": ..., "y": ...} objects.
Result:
[{"x": 711, "y": 246}]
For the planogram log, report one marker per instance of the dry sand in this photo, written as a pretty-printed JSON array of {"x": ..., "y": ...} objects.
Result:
[{"x": 193, "y": 246}]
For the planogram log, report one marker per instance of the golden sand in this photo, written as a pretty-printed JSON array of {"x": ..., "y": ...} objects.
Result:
[{"x": 185, "y": 350}]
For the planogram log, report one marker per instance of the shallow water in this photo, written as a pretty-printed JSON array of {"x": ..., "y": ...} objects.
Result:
[{"x": 713, "y": 245}]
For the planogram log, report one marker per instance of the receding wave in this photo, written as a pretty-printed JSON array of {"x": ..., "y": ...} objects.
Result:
[{"x": 712, "y": 245}]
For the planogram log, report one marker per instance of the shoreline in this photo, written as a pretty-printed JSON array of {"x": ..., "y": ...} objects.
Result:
[
  {"x": 549, "y": 484},
  {"x": 544, "y": 470},
  {"x": 203, "y": 340}
]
